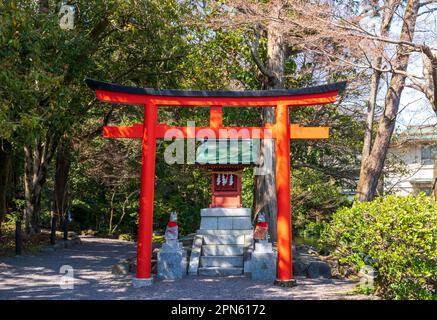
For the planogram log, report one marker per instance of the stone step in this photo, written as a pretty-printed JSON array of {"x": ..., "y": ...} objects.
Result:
[
  {"x": 225, "y": 232},
  {"x": 222, "y": 250},
  {"x": 223, "y": 239},
  {"x": 226, "y": 212},
  {"x": 225, "y": 223},
  {"x": 217, "y": 272},
  {"x": 221, "y": 261}
]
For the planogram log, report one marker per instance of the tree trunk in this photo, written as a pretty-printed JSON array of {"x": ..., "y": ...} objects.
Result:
[
  {"x": 429, "y": 59},
  {"x": 371, "y": 105},
  {"x": 430, "y": 75},
  {"x": 111, "y": 211},
  {"x": 53, "y": 222},
  {"x": 5, "y": 172},
  {"x": 32, "y": 193},
  {"x": 389, "y": 10},
  {"x": 374, "y": 163},
  {"x": 265, "y": 185},
  {"x": 60, "y": 192},
  {"x": 18, "y": 238},
  {"x": 36, "y": 161}
]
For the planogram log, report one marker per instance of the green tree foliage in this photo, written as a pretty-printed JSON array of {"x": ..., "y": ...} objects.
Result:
[
  {"x": 203, "y": 60},
  {"x": 315, "y": 196},
  {"x": 322, "y": 169},
  {"x": 162, "y": 44},
  {"x": 397, "y": 236},
  {"x": 42, "y": 70}
]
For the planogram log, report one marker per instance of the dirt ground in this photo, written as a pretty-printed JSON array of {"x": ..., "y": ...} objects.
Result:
[{"x": 39, "y": 276}]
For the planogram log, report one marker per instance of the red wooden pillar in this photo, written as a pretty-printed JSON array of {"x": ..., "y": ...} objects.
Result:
[
  {"x": 282, "y": 134},
  {"x": 145, "y": 228},
  {"x": 216, "y": 117}
]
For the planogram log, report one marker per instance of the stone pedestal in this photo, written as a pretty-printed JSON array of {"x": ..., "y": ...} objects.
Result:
[
  {"x": 172, "y": 261},
  {"x": 225, "y": 219},
  {"x": 222, "y": 241},
  {"x": 140, "y": 283},
  {"x": 263, "y": 262}
]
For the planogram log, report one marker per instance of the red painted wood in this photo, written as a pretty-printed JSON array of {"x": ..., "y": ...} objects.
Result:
[
  {"x": 284, "y": 265},
  {"x": 227, "y": 188},
  {"x": 281, "y": 131},
  {"x": 145, "y": 227},
  {"x": 134, "y": 131},
  {"x": 298, "y": 100},
  {"x": 226, "y": 199},
  {"x": 296, "y": 132},
  {"x": 222, "y": 133},
  {"x": 216, "y": 117}
]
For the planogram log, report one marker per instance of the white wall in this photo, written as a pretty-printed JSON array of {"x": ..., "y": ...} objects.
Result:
[{"x": 416, "y": 175}]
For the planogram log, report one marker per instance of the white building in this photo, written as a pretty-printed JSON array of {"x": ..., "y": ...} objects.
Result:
[{"x": 410, "y": 162}]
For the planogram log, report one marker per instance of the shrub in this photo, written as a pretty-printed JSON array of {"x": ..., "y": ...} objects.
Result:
[
  {"x": 158, "y": 238},
  {"x": 316, "y": 197},
  {"x": 125, "y": 236},
  {"x": 89, "y": 232},
  {"x": 313, "y": 229},
  {"x": 396, "y": 236}
]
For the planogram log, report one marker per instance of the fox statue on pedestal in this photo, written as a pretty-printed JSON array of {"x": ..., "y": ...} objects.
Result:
[
  {"x": 261, "y": 227},
  {"x": 172, "y": 230}
]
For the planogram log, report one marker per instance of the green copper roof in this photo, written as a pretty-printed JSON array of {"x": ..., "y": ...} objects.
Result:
[
  {"x": 228, "y": 151},
  {"x": 421, "y": 180},
  {"x": 420, "y": 133}
]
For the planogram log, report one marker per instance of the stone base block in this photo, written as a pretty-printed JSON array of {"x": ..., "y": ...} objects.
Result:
[
  {"x": 263, "y": 247},
  {"x": 209, "y": 223},
  {"x": 225, "y": 223},
  {"x": 263, "y": 266},
  {"x": 220, "y": 272},
  {"x": 172, "y": 264},
  {"x": 226, "y": 212},
  {"x": 142, "y": 282},
  {"x": 195, "y": 255},
  {"x": 225, "y": 219},
  {"x": 172, "y": 246},
  {"x": 222, "y": 250},
  {"x": 285, "y": 283},
  {"x": 248, "y": 232},
  {"x": 241, "y": 223},
  {"x": 221, "y": 261},
  {"x": 224, "y": 239}
]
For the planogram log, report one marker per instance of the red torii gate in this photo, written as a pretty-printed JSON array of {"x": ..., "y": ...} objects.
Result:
[{"x": 150, "y": 130}]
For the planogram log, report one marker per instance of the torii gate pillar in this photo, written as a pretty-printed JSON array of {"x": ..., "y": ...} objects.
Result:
[
  {"x": 147, "y": 192},
  {"x": 283, "y": 217}
]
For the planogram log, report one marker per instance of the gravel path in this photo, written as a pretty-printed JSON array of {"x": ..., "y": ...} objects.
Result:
[{"x": 38, "y": 277}]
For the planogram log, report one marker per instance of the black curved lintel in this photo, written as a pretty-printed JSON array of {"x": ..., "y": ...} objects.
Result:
[{"x": 106, "y": 86}]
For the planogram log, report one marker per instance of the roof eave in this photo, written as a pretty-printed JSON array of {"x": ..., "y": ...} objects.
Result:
[{"x": 106, "y": 86}]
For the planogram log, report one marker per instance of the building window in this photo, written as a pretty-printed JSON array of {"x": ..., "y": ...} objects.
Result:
[
  {"x": 428, "y": 154},
  {"x": 425, "y": 190}
]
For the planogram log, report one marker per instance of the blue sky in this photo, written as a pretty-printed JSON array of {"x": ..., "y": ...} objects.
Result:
[{"x": 415, "y": 109}]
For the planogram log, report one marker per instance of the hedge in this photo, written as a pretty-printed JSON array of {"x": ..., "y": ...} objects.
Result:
[{"x": 396, "y": 236}]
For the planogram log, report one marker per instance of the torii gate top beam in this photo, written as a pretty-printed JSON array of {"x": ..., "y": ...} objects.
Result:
[{"x": 113, "y": 93}]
